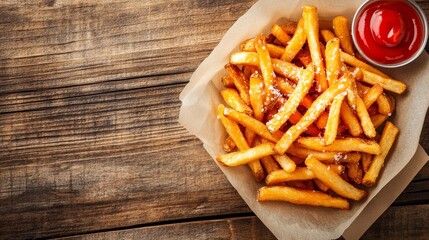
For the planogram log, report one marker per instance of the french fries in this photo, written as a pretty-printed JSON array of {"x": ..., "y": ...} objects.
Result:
[{"x": 303, "y": 114}]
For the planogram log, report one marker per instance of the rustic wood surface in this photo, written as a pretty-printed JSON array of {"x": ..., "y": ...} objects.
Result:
[{"x": 90, "y": 146}]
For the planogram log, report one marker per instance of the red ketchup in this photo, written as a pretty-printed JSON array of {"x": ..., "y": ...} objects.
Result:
[{"x": 389, "y": 32}]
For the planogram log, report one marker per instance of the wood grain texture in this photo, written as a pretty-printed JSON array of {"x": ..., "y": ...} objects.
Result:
[
  {"x": 89, "y": 138},
  {"x": 401, "y": 222}
]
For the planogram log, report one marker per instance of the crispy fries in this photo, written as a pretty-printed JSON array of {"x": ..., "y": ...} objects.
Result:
[
  {"x": 292, "y": 103},
  {"x": 312, "y": 114},
  {"x": 307, "y": 197},
  {"x": 341, "y": 145},
  {"x": 303, "y": 113}
]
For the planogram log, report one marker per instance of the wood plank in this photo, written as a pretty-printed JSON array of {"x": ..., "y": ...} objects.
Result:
[
  {"x": 51, "y": 44},
  {"x": 401, "y": 222}
]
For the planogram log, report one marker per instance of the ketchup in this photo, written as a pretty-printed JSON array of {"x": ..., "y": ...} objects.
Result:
[{"x": 389, "y": 32}]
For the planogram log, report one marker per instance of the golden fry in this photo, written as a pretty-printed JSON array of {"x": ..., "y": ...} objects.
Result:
[
  {"x": 386, "y": 142},
  {"x": 311, "y": 29},
  {"x": 387, "y": 83},
  {"x": 333, "y": 61},
  {"x": 266, "y": 68},
  {"x": 355, "y": 172},
  {"x": 348, "y": 144},
  {"x": 295, "y": 44},
  {"x": 333, "y": 180},
  {"x": 246, "y": 156},
  {"x": 365, "y": 120},
  {"x": 327, "y": 35},
  {"x": 307, "y": 197},
  {"x": 326, "y": 157},
  {"x": 333, "y": 119},
  {"x": 285, "y": 162},
  {"x": 372, "y": 95},
  {"x": 234, "y": 100},
  {"x": 257, "y": 96},
  {"x": 280, "y": 34},
  {"x": 342, "y": 31},
  {"x": 366, "y": 161},
  {"x": 350, "y": 120},
  {"x": 227, "y": 81}
]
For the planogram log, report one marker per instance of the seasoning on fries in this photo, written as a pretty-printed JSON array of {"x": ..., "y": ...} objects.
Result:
[{"x": 303, "y": 113}]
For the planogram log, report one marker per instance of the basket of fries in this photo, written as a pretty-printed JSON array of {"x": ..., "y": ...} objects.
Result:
[{"x": 305, "y": 130}]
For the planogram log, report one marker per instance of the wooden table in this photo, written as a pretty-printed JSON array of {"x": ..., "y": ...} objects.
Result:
[{"x": 89, "y": 139}]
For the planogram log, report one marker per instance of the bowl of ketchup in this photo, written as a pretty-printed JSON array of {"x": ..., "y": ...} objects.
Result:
[{"x": 389, "y": 33}]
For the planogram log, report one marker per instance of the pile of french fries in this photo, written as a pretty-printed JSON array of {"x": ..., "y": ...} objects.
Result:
[{"x": 303, "y": 109}]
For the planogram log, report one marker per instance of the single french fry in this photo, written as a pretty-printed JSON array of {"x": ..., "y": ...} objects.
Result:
[
  {"x": 285, "y": 162},
  {"x": 311, "y": 115},
  {"x": 322, "y": 120},
  {"x": 366, "y": 161},
  {"x": 257, "y": 96},
  {"x": 292, "y": 103},
  {"x": 227, "y": 81},
  {"x": 240, "y": 82},
  {"x": 342, "y": 31},
  {"x": 311, "y": 29},
  {"x": 229, "y": 145},
  {"x": 387, "y": 83},
  {"x": 246, "y": 156},
  {"x": 295, "y": 44},
  {"x": 333, "y": 120},
  {"x": 327, "y": 35},
  {"x": 280, "y": 34},
  {"x": 326, "y": 157},
  {"x": 296, "y": 196},
  {"x": 333, "y": 61},
  {"x": 304, "y": 57},
  {"x": 348, "y": 144},
  {"x": 365, "y": 120},
  {"x": 353, "y": 61},
  {"x": 249, "y": 122},
  {"x": 386, "y": 142},
  {"x": 300, "y": 173},
  {"x": 233, "y": 99},
  {"x": 266, "y": 69},
  {"x": 372, "y": 95},
  {"x": 333, "y": 180},
  {"x": 355, "y": 172},
  {"x": 244, "y": 58},
  {"x": 350, "y": 120},
  {"x": 279, "y": 176},
  {"x": 384, "y": 105},
  {"x": 257, "y": 170}
]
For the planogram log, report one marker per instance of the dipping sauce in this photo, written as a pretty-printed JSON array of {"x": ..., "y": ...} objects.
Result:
[{"x": 388, "y": 32}]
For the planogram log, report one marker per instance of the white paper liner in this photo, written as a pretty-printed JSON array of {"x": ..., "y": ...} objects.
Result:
[{"x": 201, "y": 97}]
